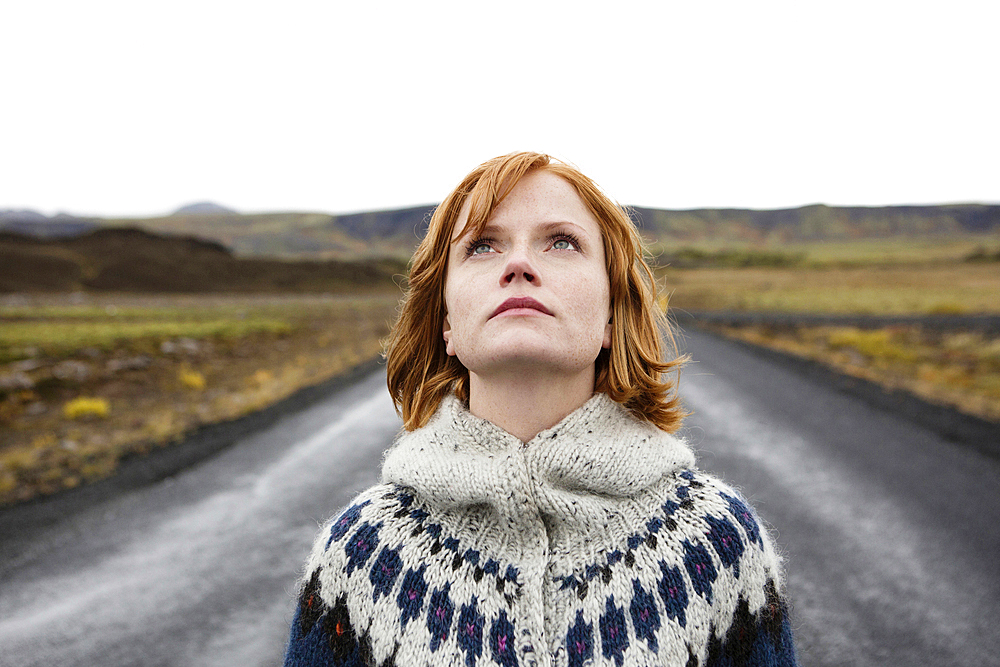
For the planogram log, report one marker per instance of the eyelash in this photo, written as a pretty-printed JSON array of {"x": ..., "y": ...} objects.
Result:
[
  {"x": 470, "y": 249},
  {"x": 567, "y": 237}
]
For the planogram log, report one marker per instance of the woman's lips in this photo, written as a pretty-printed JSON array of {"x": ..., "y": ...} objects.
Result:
[{"x": 520, "y": 302}]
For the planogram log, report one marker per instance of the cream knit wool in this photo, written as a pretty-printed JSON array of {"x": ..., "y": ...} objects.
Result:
[{"x": 594, "y": 543}]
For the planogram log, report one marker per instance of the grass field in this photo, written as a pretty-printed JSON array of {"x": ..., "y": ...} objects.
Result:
[
  {"x": 895, "y": 277},
  {"x": 858, "y": 252},
  {"x": 86, "y": 380},
  {"x": 898, "y": 288}
]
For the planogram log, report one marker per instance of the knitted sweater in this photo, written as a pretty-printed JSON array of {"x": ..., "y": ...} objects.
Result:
[{"x": 596, "y": 543}]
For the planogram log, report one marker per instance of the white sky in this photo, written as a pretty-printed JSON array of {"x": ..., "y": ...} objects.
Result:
[{"x": 135, "y": 108}]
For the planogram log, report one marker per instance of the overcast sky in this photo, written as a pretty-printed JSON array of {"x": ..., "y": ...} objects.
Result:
[{"x": 135, "y": 108}]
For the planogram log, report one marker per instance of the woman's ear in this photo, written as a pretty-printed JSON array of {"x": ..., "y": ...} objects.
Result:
[
  {"x": 446, "y": 332},
  {"x": 606, "y": 343}
]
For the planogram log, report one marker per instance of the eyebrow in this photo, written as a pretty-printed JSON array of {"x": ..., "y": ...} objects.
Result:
[{"x": 490, "y": 228}]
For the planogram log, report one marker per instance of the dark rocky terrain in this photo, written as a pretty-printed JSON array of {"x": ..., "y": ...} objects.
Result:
[{"x": 134, "y": 260}]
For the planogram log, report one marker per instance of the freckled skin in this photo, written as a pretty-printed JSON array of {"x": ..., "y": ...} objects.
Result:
[{"x": 526, "y": 250}]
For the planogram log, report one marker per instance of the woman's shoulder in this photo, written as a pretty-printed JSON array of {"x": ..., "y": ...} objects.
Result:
[
  {"x": 360, "y": 527},
  {"x": 701, "y": 515},
  {"x": 733, "y": 565},
  {"x": 389, "y": 529},
  {"x": 694, "y": 494}
]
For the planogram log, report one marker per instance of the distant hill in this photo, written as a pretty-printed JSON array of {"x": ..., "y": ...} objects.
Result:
[
  {"x": 134, "y": 260},
  {"x": 372, "y": 234},
  {"x": 204, "y": 208},
  {"x": 403, "y": 223},
  {"x": 395, "y": 233},
  {"x": 25, "y": 221},
  {"x": 816, "y": 223}
]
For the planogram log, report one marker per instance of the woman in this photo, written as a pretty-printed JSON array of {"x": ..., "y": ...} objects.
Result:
[{"x": 536, "y": 510}]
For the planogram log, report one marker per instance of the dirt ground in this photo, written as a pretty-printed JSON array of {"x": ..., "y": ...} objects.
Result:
[{"x": 68, "y": 419}]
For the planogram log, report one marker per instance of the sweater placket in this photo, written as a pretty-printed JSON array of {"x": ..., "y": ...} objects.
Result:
[{"x": 533, "y": 642}]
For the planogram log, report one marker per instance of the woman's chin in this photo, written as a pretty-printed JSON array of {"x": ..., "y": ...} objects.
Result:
[{"x": 527, "y": 360}]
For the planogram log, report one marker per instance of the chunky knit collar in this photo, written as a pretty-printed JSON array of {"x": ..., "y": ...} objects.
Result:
[{"x": 585, "y": 473}]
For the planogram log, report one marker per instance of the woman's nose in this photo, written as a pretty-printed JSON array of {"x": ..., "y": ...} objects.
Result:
[{"x": 518, "y": 268}]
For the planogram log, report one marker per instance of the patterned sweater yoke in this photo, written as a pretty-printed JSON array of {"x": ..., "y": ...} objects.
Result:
[{"x": 596, "y": 543}]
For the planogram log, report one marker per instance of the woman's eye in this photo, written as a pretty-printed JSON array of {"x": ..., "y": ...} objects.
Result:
[
  {"x": 481, "y": 249},
  {"x": 563, "y": 244}
]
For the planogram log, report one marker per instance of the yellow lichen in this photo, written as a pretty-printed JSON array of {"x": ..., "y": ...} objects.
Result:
[
  {"x": 83, "y": 407},
  {"x": 191, "y": 379}
]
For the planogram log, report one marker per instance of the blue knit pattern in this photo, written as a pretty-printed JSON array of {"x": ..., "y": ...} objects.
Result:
[
  {"x": 385, "y": 571},
  {"x": 580, "y": 642},
  {"x": 394, "y": 582},
  {"x": 614, "y": 632},
  {"x": 470, "y": 632},
  {"x": 439, "y": 616},
  {"x": 673, "y": 592},
  {"x": 411, "y": 595},
  {"x": 344, "y": 522},
  {"x": 502, "y": 641}
]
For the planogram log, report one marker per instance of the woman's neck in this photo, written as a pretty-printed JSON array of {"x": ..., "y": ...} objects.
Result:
[{"x": 526, "y": 405}]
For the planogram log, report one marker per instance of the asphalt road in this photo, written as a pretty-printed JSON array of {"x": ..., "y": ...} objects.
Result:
[{"x": 890, "y": 532}]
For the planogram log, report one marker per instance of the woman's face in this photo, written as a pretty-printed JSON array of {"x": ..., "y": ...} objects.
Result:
[{"x": 530, "y": 293}]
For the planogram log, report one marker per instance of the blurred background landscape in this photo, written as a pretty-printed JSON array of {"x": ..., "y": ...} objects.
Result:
[{"x": 120, "y": 336}]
